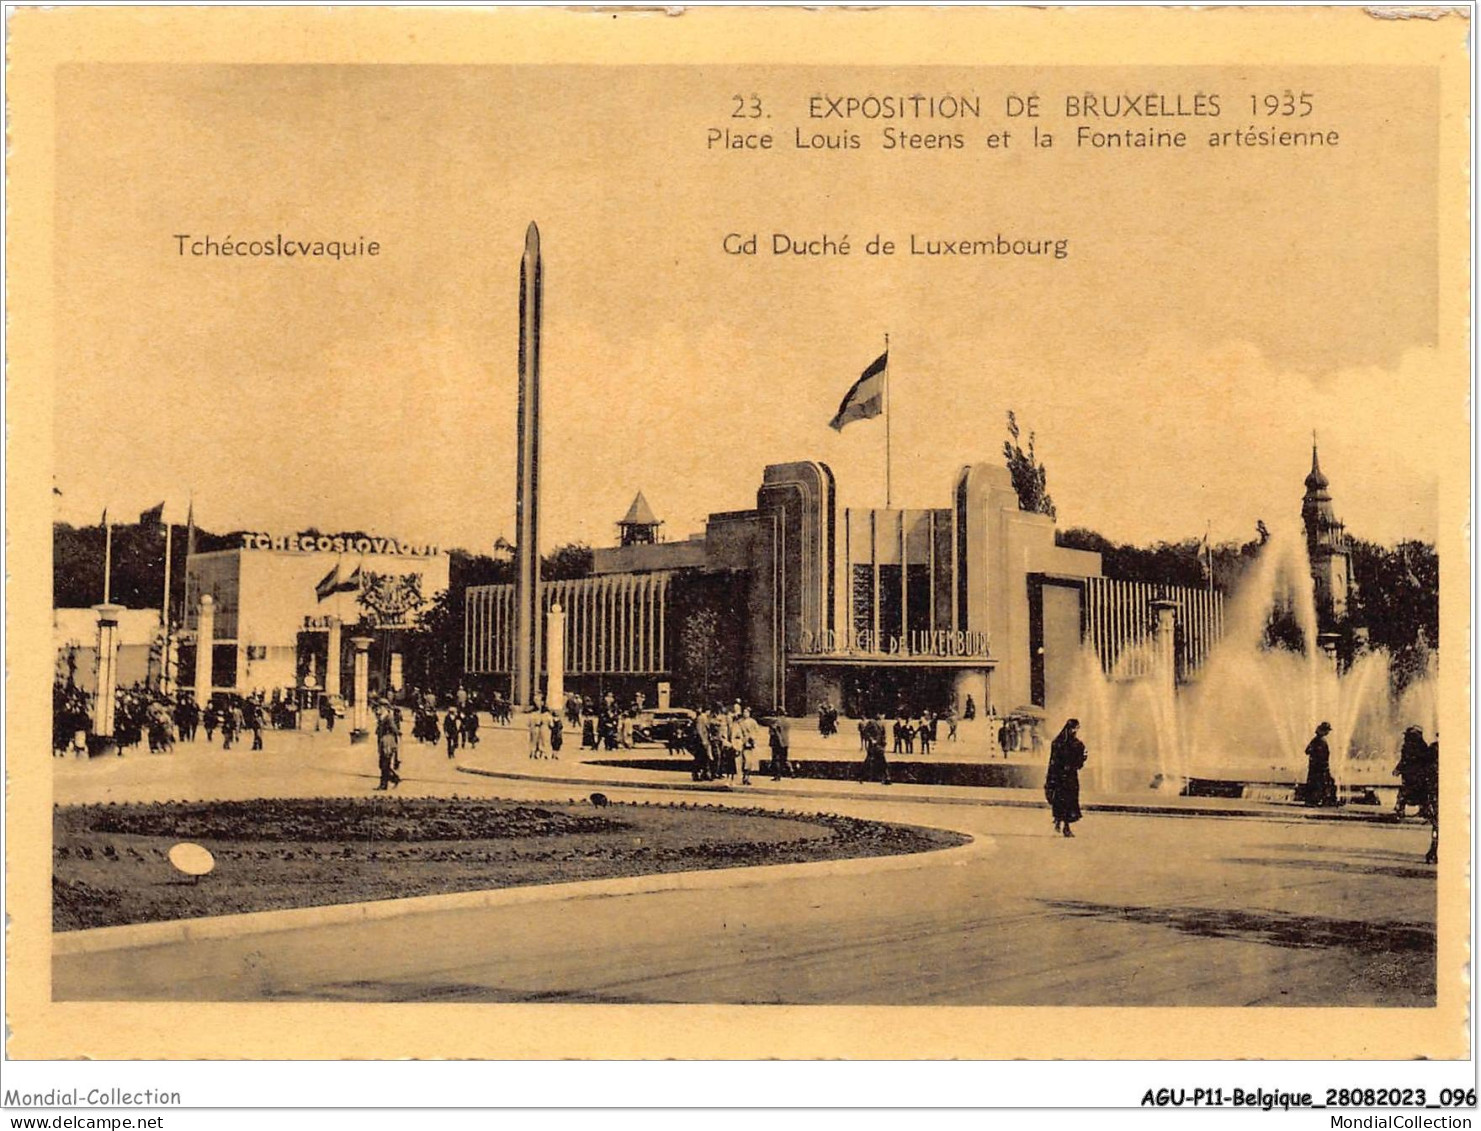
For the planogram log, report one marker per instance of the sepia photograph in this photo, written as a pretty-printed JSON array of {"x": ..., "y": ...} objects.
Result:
[{"x": 727, "y": 519}]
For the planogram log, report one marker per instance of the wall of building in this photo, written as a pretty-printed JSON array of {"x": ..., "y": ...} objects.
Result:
[
  {"x": 75, "y": 639},
  {"x": 263, "y": 597},
  {"x": 647, "y": 557}
]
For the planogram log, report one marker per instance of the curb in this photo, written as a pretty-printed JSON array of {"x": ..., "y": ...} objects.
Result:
[
  {"x": 95, "y": 940},
  {"x": 1149, "y": 809}
]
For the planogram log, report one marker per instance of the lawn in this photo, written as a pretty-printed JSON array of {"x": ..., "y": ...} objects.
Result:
[{"x": 110, "y": 866}]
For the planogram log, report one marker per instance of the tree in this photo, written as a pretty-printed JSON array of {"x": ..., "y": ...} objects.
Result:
[
  {"x": 1396, "y": 597},
  {"x": 699, "y": 642},
  {"x": 434, "y": 652},
  {"x": 1030, "y": 479},
  {"x": 565, "y": 563}
]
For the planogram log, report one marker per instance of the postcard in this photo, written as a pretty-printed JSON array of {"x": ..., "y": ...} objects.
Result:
[{"x": 738, "y": 533}]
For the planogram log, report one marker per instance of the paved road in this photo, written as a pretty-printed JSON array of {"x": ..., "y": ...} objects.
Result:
[{"x": 1136, "y": 910}]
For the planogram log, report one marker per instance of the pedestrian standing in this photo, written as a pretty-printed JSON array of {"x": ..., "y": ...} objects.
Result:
[
  {"x": 1320, "y": 790},
  {"x": 388, "y": 746},
  {"x": 745, "y": 740},
  {"x": 539, "y": 727},
  {"x": 235, "y": 721},
  {"x": 1413, "y": 757},
  {"x": 1431, "y": 806},
  {"x": 254, "y": 721},
  {"x": 875, "y": 765},
  {"x": 779, "y": 738},
  {"x": 451, "y": 730},
  {"x": 1062, "y": 779}
]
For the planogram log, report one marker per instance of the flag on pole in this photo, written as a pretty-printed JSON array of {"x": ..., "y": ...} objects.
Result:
[
  {"x": 866, "y": 398},
  {"x": 153, "y": 516},
  {"x": 330, "y": 583},
  {"x": 190, "y": 528},
  {"x": 103, "y": 522}
]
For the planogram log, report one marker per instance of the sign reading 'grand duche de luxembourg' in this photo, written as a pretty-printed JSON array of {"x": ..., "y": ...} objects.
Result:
[
  {"x": 309, "y": 543},
  {"x": 943, "y": 643}
]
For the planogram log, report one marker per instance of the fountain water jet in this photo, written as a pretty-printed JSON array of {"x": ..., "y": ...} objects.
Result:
[{"x": 1248, "y": 713}]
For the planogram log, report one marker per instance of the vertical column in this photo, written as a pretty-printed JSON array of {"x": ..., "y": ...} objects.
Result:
[
  {"x": 1167, "y": 664},
  {"x": 107, "y": 668},
  {"x": 527, "y": 494},
  {"x": 360, "y": 710},
  {"x": 331, "y": 671},
  {"x": 205, "y": 640},
  {"x": 397, "y": 679},
  {"x": 555, "y": 658}
]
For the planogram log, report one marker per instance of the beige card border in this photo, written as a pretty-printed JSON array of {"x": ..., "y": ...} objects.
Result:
[{"x": 39, "y": 41}]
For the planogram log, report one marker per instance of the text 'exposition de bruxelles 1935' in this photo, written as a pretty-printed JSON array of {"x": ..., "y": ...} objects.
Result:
[{"x": 1256, "y": 118}]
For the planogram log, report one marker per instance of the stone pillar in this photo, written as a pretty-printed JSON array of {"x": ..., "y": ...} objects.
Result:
[
  {"x": 331, "y": 667},
  {"x": 360, "y": 709},
  {"x": 1167, "y": 661},
  {"x": 555, "y": 658},
  {"x": 205, "y": 642},
  {"x": 107, "y": 668},
  {"x": 396, "y": 672}
]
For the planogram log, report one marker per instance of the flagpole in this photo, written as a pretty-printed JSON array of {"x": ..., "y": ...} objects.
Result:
[
  {"x": 164, "y": 612},
  {"x": 107, "y": 560},
  {"x": 887, "y": 460}
]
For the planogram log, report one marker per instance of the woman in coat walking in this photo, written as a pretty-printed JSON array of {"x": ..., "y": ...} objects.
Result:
[
  {"x": 1321, "y": 787},
  {"x": 1412, "y": 771},
  {"x": 1062, "y": 780}
]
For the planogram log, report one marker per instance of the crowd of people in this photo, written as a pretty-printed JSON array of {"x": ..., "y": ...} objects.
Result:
[
  {"x": 724, "y": 743},
  {"x": 147, "y": 715}
]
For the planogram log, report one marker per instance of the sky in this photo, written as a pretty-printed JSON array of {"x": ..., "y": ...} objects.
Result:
[{"x": 1214, "y": 308}]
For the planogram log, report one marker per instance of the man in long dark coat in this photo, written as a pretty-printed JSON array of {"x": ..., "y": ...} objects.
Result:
[{"x": 1062, "y": 779}]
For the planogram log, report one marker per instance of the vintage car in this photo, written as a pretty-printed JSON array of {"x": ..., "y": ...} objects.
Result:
[{"x": 654, "y": 726}]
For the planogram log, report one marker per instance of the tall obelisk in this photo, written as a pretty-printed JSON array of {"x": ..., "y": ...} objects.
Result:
[{"x": 527, "y": 491}]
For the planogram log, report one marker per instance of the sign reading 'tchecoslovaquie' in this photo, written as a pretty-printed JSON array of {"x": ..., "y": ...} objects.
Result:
[{"x": 309, "y": 542}]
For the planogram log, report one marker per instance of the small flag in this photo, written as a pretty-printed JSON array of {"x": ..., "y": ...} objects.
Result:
[
  {"x": 328, "y": 584},
  {"x": 866, "y": 399},
  {"x": 190, "y": 528},
  {"x": 104, "y": 522},
  {"x": 153, "y": 516}
]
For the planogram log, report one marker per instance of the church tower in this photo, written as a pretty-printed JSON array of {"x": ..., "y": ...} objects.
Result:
[{"x": 1327, "y": 547}]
